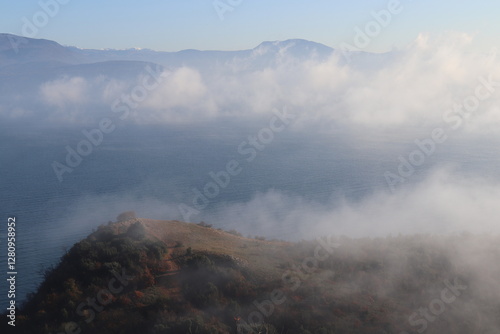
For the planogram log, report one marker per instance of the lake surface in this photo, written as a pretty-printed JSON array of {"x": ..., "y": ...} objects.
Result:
[{"x": 152, "y": 170}]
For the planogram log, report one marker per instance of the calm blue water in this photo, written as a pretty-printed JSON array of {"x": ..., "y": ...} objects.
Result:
[{"x": 135, "y": 166}]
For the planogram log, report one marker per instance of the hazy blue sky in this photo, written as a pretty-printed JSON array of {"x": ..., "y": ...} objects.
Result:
[{"x": 174, "y": 25}]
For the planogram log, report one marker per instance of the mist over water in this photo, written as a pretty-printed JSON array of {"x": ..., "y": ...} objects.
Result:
[
  {"x": 324, "y": 173},
  {"x": 301, "y": 186}
]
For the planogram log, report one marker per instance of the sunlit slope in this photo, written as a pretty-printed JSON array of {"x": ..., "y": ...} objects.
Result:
[{"x": 151, "y": 276}]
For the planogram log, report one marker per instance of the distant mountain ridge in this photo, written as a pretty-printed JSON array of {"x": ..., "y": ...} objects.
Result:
[
  {"x": 16, "y": 50},
  {"x": 31, "y": 65},
  {"x": 27, "y": 63}
]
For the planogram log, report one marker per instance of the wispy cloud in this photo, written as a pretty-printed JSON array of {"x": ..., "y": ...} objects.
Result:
[
  {"x": 65, "y": 92},
  {"x": 414, "y": 86},
  {"x": 445, "y": 202}
]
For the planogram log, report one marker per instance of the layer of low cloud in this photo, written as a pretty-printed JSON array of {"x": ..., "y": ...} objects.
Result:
[
  {"x": 417, "y": 85},
  {"x": 445, "y": 202},
  {"x": 65, "y": 91}
]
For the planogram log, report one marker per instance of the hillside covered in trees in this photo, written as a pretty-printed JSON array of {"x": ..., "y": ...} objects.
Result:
[{"x": 147, "y": 276}]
